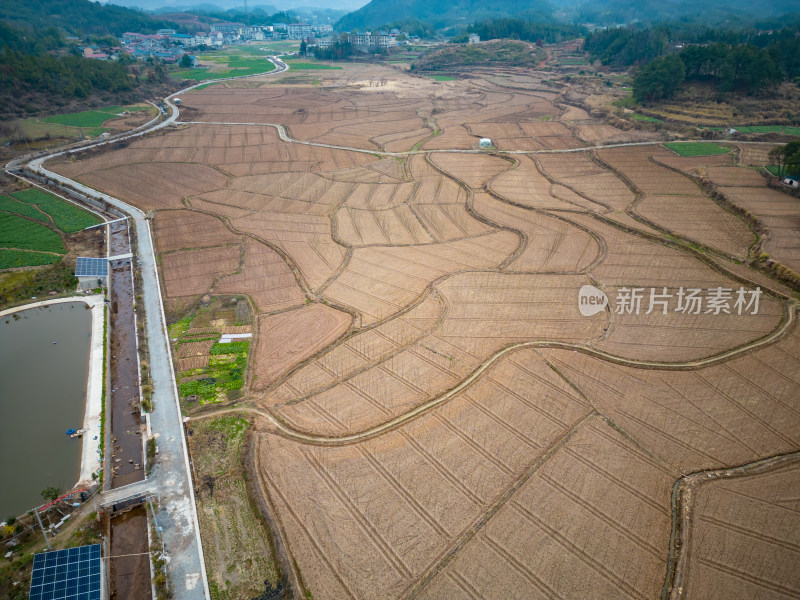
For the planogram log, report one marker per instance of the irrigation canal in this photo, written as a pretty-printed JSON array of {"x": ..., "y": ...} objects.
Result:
[{"x": 125, "y": 462}]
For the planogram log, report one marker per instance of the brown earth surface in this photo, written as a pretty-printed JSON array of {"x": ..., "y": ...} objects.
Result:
[
  {"x": 740, "y": 532},
  {"x": 287, "y": 339},
  {"x": 433, "y": 416}
]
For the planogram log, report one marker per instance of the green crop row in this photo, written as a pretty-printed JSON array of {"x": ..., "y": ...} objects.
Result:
[
  {"x": 22, "y": 234},
  {"x": 230, "y": 348},
  {"x": 10, "y": 259},
  {"x": 66, "y": 216},
  {"x": 12, "y": 205},
  {"x": 216, "y": 380},
  {"x": 697, "y": 148},
  {"x": 243, "y": 67},
  {"x": 308, "y": 66},
  {"x": 90, "y": 118}
]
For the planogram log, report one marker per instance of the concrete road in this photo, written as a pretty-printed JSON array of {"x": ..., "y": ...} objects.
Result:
[{"x": 170, "y": 480}]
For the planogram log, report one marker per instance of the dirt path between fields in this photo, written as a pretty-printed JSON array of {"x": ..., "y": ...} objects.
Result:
[{"x": 280, "y": 427}]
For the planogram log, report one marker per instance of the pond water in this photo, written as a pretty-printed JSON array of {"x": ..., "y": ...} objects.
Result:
[{"x": 42, "y": 394}]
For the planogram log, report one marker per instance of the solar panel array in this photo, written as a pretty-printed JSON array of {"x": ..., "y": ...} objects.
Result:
[
  {"x": 72, "y": 574},
  {"x": 91, "y": 267}
]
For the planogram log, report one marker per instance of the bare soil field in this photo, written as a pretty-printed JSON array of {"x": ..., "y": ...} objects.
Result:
[
  {"x": 432, "y": 414},
  {"x": 287, "y": 339},
  {"x": 741, "y": 533},
  {"x": 779, "y": 212},
  {"x": 474, "y": 170},
  {"x": 265, "y": 278},
  {"x": 755, "y": 155},
  {"x": 180, "y": 229},
  {"x": 676, "y": 203},
  {"x": 192, "y": 272}
]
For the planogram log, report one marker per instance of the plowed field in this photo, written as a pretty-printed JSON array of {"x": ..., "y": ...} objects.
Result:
[{"x": 434, "y": 413}]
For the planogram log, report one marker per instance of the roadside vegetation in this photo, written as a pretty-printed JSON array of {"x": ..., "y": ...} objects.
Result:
[
  {"x": 52, "y": 129},
  {"x": 236, "y": 542}
]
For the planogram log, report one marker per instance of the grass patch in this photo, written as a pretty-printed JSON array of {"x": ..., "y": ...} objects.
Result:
[
  {"x": 697, "y": 148},
  {"x": 505, "y": 52},
  {"x": 305, "y": 66},
  {"x": 442, "y": 77},
  {"x": 10, "y": 259},
  {"x": 237, "y": 66},
  {"x": 647, "y": 119},
  {"x": 223, "y": 377},
  {"x": 90, "y": 118},
  {"x": 237, "y": 564},
  {"x": 179, "y": 328},
  {"x": 18, "y": 286},
  {"x": 204, "y": 86},
  {"x": 22, "y": 234},
  {"x": 67, "y": 217},
  {"x": 10, "y": 205},
  {"x": 785, "y": 129}
]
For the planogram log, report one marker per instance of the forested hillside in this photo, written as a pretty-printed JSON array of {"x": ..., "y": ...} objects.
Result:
[
  {"x": 40, "y": 72},
  {"x": 441, "y": 13},
  {"x": 746, "y": 61},
  {"x": 78, "y": 17}
]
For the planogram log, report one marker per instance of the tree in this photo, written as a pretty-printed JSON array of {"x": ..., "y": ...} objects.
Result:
[
  {"x": 778, "y": 156},
  {"x": 792, "y": 152},
  {"x": 787, "y": 157},
  {"x": 659, "y": 79},
  {"x": 51, "y": 493},
  {"x": 186, "y": 61},
  {"x": 748, "y": 68},
  {"x": 303, "y": 48}
]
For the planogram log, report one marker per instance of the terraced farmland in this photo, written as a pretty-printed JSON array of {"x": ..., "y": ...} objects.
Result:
[{"x": 434, "y": 416}]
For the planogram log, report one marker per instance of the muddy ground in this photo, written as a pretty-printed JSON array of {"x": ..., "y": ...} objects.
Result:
[{"x": 129, "y": 568}]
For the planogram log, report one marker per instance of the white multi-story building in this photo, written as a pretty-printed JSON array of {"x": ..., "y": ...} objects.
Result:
[
  {"x": 299, "y": 31},
  {"x": 227, "y": 28},
  {"x": 323, "y": 28},
  {"x": 369, "y": 40},
  {"x": 325, "y": 42}
]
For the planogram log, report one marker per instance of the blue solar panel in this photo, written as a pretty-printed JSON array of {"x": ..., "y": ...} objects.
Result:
[
  {"x": 72, "y": 574},
  {"x": 91, "y": 267}
]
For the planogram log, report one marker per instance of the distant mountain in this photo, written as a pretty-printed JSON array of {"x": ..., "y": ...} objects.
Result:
[
  {"x": 441, "y": 13},
  {"x": 448, "y": 13},
  {"x": 161, "y": 6},
  {"x": 730, "y": 13}
]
